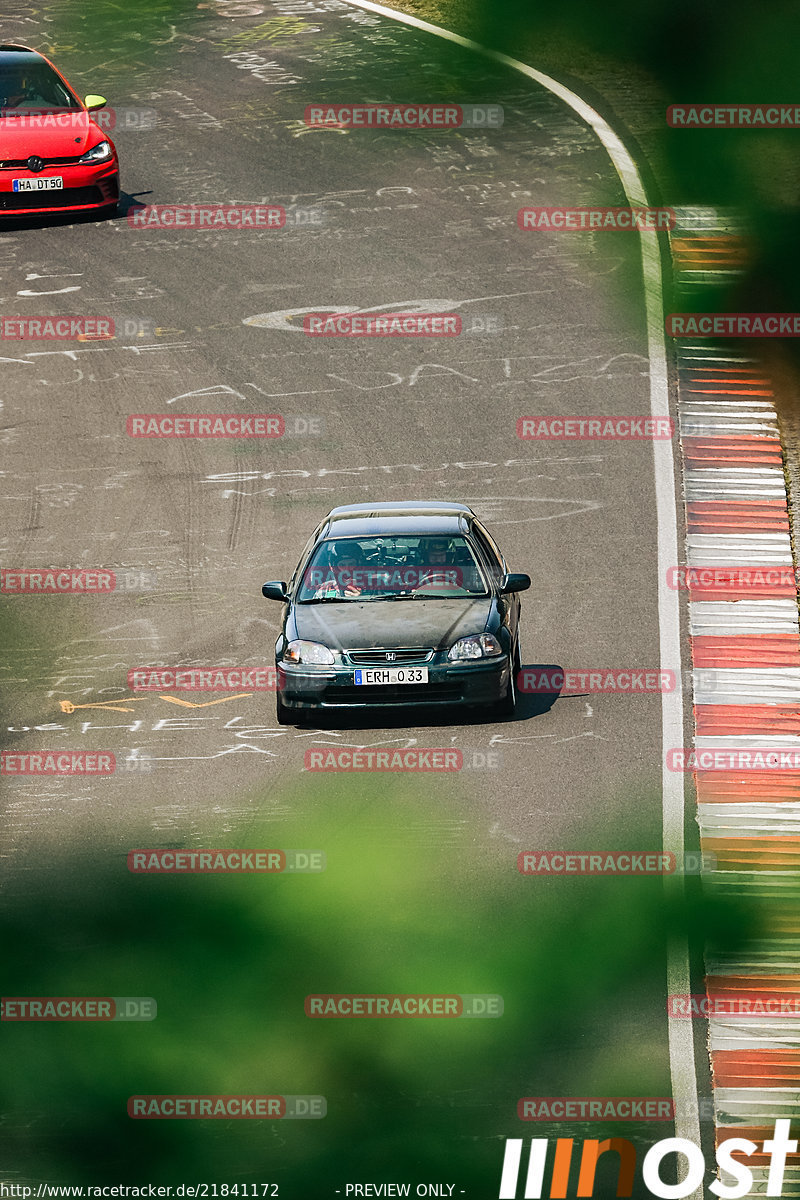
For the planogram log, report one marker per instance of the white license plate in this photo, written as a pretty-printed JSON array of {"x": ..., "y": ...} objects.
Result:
[
  {"x": 377, "y": 675},
  {"x": 47, "y": 183}
]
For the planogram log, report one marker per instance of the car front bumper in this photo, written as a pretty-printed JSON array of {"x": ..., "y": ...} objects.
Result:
[
  {"x": 85, "y": 188},
  {"x": 481, "y": 683}
]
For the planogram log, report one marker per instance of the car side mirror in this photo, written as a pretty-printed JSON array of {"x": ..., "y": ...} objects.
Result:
[
  {"x": 514, "y": 583},
  {"x": 274, "y": 591},
  {"x": 93, "y": 102}
]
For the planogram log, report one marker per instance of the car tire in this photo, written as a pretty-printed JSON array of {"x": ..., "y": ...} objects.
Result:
[
  {"x": 507, "y": 707},
  {"x": 284, "y": 715}
]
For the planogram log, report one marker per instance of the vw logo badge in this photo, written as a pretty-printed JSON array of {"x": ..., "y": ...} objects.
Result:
[{"x": 35, "y": 164}]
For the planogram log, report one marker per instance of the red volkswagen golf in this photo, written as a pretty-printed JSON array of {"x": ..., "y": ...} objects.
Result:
[{"x": 53, "y": 157}]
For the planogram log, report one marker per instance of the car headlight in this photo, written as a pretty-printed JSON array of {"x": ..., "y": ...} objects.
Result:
[
  {"x": 308, "y": 652},
  {"x": 480, "y": 645},
  {"x": 99, "y": 153}
]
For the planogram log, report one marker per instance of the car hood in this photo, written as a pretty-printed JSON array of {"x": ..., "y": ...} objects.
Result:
[
  {"x": 356, "y": 624},
  {"x": 49, "y": 135}
]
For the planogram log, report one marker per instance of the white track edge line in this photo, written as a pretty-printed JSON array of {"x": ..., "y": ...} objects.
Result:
[{"x": 681, "y": 1042}]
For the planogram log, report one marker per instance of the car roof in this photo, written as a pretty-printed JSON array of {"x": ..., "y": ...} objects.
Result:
[
  {"x": 11, "y": 53},
  {"x": 395, "y": 524},
  {"x": 396, "y": 507},
  {"x": 395, "y": 517}
]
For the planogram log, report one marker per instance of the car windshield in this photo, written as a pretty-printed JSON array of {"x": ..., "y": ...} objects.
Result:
[
  {"x": 391, "y": 568},
  {"x": 32, "y": 86}
]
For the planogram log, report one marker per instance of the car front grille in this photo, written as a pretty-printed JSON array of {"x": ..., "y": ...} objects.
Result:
[
  {"x": 378, "y": 657},
  {"x": 9, "y": 164},
  {"x": 58, "y": 198}
]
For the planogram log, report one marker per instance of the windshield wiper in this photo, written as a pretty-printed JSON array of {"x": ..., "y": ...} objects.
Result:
[
  {"x": 329, "y": 600},
  {"x": 396, "y": 596}
]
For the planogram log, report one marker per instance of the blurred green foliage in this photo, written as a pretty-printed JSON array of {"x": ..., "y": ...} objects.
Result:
[
  {"x": 693, "y": 51},
  {"x": 402, "y": 907}
]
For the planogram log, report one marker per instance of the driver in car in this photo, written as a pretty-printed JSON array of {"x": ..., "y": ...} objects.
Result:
[
  {"x": 16, "y": 90},
  {"x": 438, "y": 564},
  {"x": 13, "y": 89},
  {"x": 27, "y": 89}
]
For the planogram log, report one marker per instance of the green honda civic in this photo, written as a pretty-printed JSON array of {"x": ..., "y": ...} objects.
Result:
[{"x": 398, "y": 605}]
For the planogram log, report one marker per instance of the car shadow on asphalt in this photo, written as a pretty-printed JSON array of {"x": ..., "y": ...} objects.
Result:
[
  {"x": 129, "y": 203},
  {"x": 534, "y": 703},
  {"x": 530, "y": 704}
]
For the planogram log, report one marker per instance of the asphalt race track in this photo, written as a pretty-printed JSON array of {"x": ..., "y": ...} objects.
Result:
[{"x": 426, "y": 220}]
